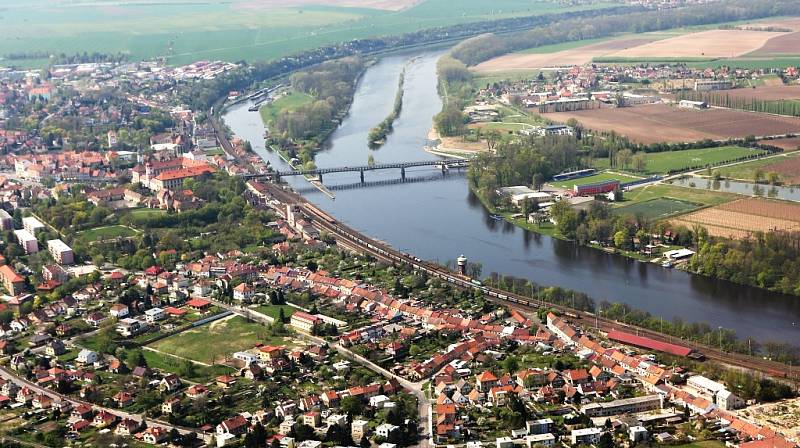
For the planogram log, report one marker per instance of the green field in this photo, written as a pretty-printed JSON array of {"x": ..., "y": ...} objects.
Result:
[
  {"x": 658, "y": 208},
  {"x": 228, "y": 336},
  {"x": 663, "y": 162},
  {"x": 691, "y": 195},
  {"x": 287, "y": 103},
  {"x": 146, "y": 212},
  {"x": 601, "y": 177},
  {"x": 703, "y": 444},
  {"x": 750, "y": 63},
  {"x": 747, "y": 170},
  {"x": 185, "y": 31},
  {"x": 106, "y": 233},
  {"x": 273, "y": 311},
  {"x": 202, "y": 374}
]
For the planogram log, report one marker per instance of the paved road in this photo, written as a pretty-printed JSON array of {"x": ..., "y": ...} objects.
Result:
[
  {"x": 10, "y": 375},
  {"x": 424, "y": 405}
]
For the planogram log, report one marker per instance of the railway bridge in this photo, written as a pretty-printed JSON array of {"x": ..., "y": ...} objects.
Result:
[{"x": 444, "y": 165}]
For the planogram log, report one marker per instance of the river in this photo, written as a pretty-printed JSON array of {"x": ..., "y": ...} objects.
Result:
[{"x": 439, "y": 219}]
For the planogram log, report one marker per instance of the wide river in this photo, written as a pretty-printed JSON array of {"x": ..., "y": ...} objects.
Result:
[{"x": 437, "y": 218}]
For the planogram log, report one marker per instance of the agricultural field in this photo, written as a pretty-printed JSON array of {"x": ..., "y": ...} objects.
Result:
[
  {"x": 286, "y": 103},
  {"x": 786, "y": 166},
  {"x": 658, "y": 208},
  {"x": 184, "y": 31},
  {"x": 229, "y": 335},
  {"x": 567, "y": 57},
  {"x": 704, "y": 44},
  {"x": 664, "y": 162},
  {"x": 656, "y": 123},
  {"x": 106, "y": 233},
  {"x": 787, "y": 144},
  {"x": 739, "y": 219}
]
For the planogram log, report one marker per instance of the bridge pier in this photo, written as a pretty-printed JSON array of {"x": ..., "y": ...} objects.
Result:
[
  {"x": 319, "y": 177},
  {"x": 362, "y": 176},
  {"x": 403, "y": 173}
]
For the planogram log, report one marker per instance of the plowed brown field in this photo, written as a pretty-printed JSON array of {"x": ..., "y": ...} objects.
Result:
[
  {"x": 663, "y": 123},
  {"x": 738, "y": 219}
]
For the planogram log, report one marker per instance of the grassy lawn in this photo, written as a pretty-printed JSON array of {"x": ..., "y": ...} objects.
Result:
[
  {"x": 214, "y": 152},
  {"x": 691, "y": 195},
  {"x": 273, "y": 311},
  {"x": 746, "y": 171},
  {"x": 286, "y": 103},
  {"x": 201, "y": 374},
  {"x": 216, "y": 340},
  {"x": 703, "y": 444},
  {"x": 658, "y": 208},
  {"x": 106, "y": 233},
  {"x": 662, "y": 162},
  {"x": 601, "y": 177},
  {"x": 146, "y": 212}
]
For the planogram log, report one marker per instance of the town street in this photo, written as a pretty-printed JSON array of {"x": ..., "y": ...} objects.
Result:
[{"x": 424, "y": 405}]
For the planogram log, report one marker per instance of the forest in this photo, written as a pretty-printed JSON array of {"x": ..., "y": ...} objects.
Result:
[
  {"x": 531, "y": 161},
  {"x": 331, "y": 84},
  {"x": 485, "y": 47},
  {"x": 766, "y": 260}
]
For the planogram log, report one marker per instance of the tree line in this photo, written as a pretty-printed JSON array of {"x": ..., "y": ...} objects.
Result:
[
  {"x": 455, "y": 88},
  {"x": 752, "y": 104},
  {"x": 766, "y": 260},
  {"x": 377, "y": 135},
  {"x": 482, "y": 48},
  {"x": 203, "y": 94}
]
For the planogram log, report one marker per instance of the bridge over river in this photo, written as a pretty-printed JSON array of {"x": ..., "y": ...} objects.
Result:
[{"x": 444, "y": 165}]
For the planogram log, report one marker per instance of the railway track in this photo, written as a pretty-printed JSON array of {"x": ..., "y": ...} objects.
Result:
[{"x": 355, "y": 240}]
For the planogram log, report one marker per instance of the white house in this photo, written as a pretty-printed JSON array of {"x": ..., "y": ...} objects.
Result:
[
  {"x": 587, "y": 436},
  {"x": 385, "y": 429},
  {"x": 154, "y": 314},
  {"x": 87, "y": 356}
]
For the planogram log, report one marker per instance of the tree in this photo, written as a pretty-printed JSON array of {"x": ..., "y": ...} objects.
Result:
[
  {"x": 351, "y": 406},
  {"x": 492, "y": 137},
  {"x": 281, "y": 315},
  {"x": 606, "y": 441},
  {"x": 511, "y": 364},
  {"x": 640, "y": 161},
  {"x": 624, "y": 157}
]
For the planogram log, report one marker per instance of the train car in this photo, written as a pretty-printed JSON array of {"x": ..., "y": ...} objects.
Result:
[
  {"x": 776, "y": 373},
  {"x": 476, "y": 282},
  {"x": 571, "y": 314}
]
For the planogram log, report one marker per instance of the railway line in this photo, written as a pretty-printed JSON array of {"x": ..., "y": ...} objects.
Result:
[{"x": 353, "y": 239}]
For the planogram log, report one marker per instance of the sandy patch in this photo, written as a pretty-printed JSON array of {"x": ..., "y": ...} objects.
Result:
[
  {"x": 714, "y": 43},
  {"x": 576, "y": 56},
  {"x": 386, "y": 5}
]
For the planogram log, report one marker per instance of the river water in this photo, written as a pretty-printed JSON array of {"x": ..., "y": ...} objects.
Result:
[{"x": 437, "y": 218}]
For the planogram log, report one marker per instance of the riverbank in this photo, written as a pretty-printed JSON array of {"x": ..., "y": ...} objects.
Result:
[{"x": 420, "y": 217}]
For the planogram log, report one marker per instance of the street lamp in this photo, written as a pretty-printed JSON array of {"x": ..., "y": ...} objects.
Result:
[{"x": 720, "y": 338}]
